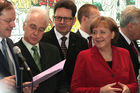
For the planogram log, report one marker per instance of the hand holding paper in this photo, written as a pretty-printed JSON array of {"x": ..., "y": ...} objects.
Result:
[{"x": 47, "y": 73}]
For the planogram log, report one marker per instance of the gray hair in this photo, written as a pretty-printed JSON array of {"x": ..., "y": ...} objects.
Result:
[
  {"x": 39, "y": 10},
  {"x": 130, "y": 14}
]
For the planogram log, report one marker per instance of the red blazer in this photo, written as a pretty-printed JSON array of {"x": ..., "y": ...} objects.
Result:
[{"x": 92, "y": 72}]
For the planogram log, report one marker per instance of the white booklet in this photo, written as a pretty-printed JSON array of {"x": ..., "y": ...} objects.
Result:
[{"x": 47, "y": 73}]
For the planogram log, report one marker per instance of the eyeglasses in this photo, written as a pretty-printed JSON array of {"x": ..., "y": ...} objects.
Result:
[
  {"x": 66, "y": 19},
  {"x": 8, "y": 21},
  {"x": 34, "y": 28}
]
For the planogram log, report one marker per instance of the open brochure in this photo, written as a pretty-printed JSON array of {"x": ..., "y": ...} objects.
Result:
[{"x": 47, "y": 73}]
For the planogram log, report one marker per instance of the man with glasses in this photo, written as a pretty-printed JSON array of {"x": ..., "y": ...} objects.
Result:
[
  {"x": 39, "y": 55},
  {"x": 68, "y": 43},
  {"x": 9, "y": 67}
]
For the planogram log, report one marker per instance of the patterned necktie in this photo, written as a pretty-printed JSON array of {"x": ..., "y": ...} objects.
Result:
[
  {"x": 134, "y": 49},
  {"x": 6, "y": 55},
  {"x": 36, "y": 57},
  {"x": 63, "y": 46},
  {"x": 90, "y": 41}
]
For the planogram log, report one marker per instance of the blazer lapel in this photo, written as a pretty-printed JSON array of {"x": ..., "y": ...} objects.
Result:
[
  {"x": 29, "y": 59},
  {"x": 72, "y": 43},
  {"x": 43, "y": 60},
  {"x": 97, "y": 55},
  {"x": 55, "y": 42}
]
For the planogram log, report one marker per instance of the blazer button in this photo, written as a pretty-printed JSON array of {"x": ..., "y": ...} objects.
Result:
[{"x": 112, "y": 75}]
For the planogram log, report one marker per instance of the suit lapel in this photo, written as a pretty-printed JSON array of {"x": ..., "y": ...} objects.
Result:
[
  {"x": 54, "y": 41},
  {"x": 72, "y": 43},
  {"x": 44, "y": 58},
  {"x": 30, "y": 61},
  {"x": 122, "y": 39}
]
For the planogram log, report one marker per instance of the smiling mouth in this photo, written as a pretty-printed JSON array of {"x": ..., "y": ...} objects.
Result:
[{"x": 99, "y": 41}]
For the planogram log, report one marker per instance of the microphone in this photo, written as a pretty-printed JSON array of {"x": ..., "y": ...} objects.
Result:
[{"x": 17, "y": 51}]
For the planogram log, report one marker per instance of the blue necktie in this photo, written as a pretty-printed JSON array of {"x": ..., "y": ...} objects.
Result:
[{"x": 6, "y": 55}]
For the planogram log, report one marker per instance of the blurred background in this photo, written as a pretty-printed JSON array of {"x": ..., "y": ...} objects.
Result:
[{"x": 110, "y": 8}]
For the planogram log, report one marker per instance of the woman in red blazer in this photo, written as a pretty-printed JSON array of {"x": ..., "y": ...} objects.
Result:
[{"x": 104, "y": 68}]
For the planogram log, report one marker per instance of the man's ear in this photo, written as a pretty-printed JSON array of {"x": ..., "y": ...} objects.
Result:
[
  {"x": 130, "y": 26},
  {"x": 24, "y": 26}
]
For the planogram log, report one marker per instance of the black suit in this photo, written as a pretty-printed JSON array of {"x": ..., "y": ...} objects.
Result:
[
  {"x": 76, "y": 44},
  {"x": 123, "y": 43},
  {"x": 49, "y": 57},
  {"x": 4, "y": 68}
]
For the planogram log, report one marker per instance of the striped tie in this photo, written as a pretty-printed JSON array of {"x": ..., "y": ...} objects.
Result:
[
  {"x": 36, "y": 57},
  {"x": 63, "y": 46}
]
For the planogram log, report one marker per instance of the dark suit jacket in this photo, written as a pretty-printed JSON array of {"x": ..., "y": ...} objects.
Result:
[
  {"x": 49, "y": 57},
  {"x": 4, "y": 69},
  {"x": 123, "y": 43},
  {"x": 76, "y": 44},
  {"x": 92, "y": 72}
]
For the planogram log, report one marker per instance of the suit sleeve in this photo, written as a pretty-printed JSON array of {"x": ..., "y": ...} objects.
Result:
[{"x": 78, "y": 84}]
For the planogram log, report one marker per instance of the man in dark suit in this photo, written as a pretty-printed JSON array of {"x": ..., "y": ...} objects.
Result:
[
  {"x": 86, "y": 14},
  {"x": 34, "y": 27},
  {"x": 64, "y": 19},
  {"x": 129, "y": 33},
  {"x": 9, "y": 67}
]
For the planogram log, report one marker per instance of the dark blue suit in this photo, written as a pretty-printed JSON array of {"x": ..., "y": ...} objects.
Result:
[
  {"x": 76, "y": 44},
  {"x": 4, "y": 69}
]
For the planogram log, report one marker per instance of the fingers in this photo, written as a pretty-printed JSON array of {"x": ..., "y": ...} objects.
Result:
[
  {"x": 121, "y": 84},
  {"x": 114, "y": 89},
  {"x": 28, "y": 89},
  {"x": 112, "y": 84},
  {"x": 110, "y": 88},
  {"x": 9, "y": 82},
  {"x": 124, "y": 87}
]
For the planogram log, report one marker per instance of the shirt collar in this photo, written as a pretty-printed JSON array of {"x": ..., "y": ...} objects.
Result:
[
  {"x": 84, "y": 34},
  {"x": 28, "y": 45},
  {"x": 58, "y": 35}
]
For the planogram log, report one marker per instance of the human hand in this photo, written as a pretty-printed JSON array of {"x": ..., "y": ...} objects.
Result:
[
  {"x": 109, "y": 88},
  {"x": 29, "y": 89},
  {"x": 124, "y": 87},
  {"x": 9, "y": 82}
]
